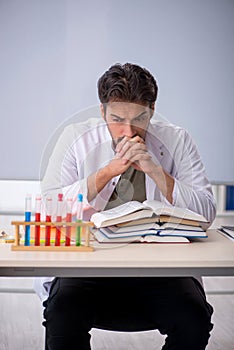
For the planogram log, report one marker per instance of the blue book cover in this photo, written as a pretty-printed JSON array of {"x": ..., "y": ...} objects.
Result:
[{"x": 230, "y": 198}]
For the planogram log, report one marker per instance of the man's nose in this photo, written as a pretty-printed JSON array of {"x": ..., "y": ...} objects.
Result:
[{"x": 129, "y": 130}]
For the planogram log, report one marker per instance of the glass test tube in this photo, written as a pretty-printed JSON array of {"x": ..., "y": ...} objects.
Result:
[
  {"x": 37, "y": 219},
  {"x": 68, "y": 219},
  {"x": 59, "y": 219},
  {"x": 79, "y": 217},
  {"x": 28, "y": 206},
  {"x": 48, "y": 219}
]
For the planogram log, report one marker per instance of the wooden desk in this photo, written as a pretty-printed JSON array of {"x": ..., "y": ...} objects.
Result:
[{"x": 213, "y": 256}]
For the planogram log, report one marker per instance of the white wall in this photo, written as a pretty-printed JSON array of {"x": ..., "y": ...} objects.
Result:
[{"x": 53, "y": 52}]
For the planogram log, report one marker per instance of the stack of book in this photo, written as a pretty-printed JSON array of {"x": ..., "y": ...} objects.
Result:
[{"x": 150, "y": 221}]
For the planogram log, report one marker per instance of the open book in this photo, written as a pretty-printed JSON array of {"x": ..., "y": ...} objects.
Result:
[
  {"x": 151, "y": 232},
  {"x": 104, "y": 236},
  {"x": 134, "y": 213}
]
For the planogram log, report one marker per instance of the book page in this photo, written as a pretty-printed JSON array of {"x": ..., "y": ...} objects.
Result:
[
  {"x": 133, "y": 228},
  {"x": 178, "y": 226},
  {"x": 165, "y": 239},
  {"x": 161, "y": 209},
  {"x": 120, "y": 212},
  {"x": 183, "y": 233}
]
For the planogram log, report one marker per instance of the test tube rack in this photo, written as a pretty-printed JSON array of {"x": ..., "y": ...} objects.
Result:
[{"x": 83, "y": 247}]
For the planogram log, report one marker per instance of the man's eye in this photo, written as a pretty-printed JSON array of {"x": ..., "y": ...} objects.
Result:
[
  {"x": 140, "y": 119},
  {"x": 116, "y": 120}
]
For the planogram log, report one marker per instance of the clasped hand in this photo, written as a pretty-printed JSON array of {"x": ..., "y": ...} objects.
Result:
[{"x": 131, "y": 152}]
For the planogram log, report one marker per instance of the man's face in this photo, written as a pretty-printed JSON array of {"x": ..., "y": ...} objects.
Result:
[{"x": 126, "y": 119}]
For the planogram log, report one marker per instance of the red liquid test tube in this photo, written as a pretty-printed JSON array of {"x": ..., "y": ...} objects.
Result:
[
  {"x": 37, "y": 219},
  {"x": 59, "y": 219},
  {"x": 48, "y": 219},
  {"x": 68, "y": 219}
]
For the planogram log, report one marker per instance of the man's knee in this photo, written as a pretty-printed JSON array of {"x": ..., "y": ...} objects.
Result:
[
  {"x": 190, "y": 326},
  {"x": 68, "y": 306}
]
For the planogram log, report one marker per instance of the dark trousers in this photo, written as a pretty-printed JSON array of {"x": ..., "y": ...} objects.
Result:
[{"x": 175, "y": 306}]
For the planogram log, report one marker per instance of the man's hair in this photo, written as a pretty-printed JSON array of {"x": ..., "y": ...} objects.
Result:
[{"x": 127, "y": 83}]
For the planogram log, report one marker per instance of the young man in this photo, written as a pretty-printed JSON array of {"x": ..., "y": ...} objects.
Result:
[{"x": 127, "y": 156}]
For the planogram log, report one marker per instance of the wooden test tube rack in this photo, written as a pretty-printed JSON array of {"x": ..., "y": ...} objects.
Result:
[{"x": 83, "y": 247}]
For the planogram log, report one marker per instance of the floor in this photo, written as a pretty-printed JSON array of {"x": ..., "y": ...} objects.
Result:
[{"x": 21, "y": 316}]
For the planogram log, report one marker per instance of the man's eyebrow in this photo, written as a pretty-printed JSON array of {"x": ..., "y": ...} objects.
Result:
[
  {"x": 138, "y": 116},
  {"x": 116, "y": 116}
]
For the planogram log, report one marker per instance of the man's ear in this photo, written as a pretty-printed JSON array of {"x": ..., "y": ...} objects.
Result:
[
  {"x": 102, "y": 109},
  {"x": 152, "y": 107}
]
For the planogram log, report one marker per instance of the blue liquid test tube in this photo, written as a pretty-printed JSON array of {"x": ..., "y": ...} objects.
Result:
[{"x": 28, "y": 206}]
